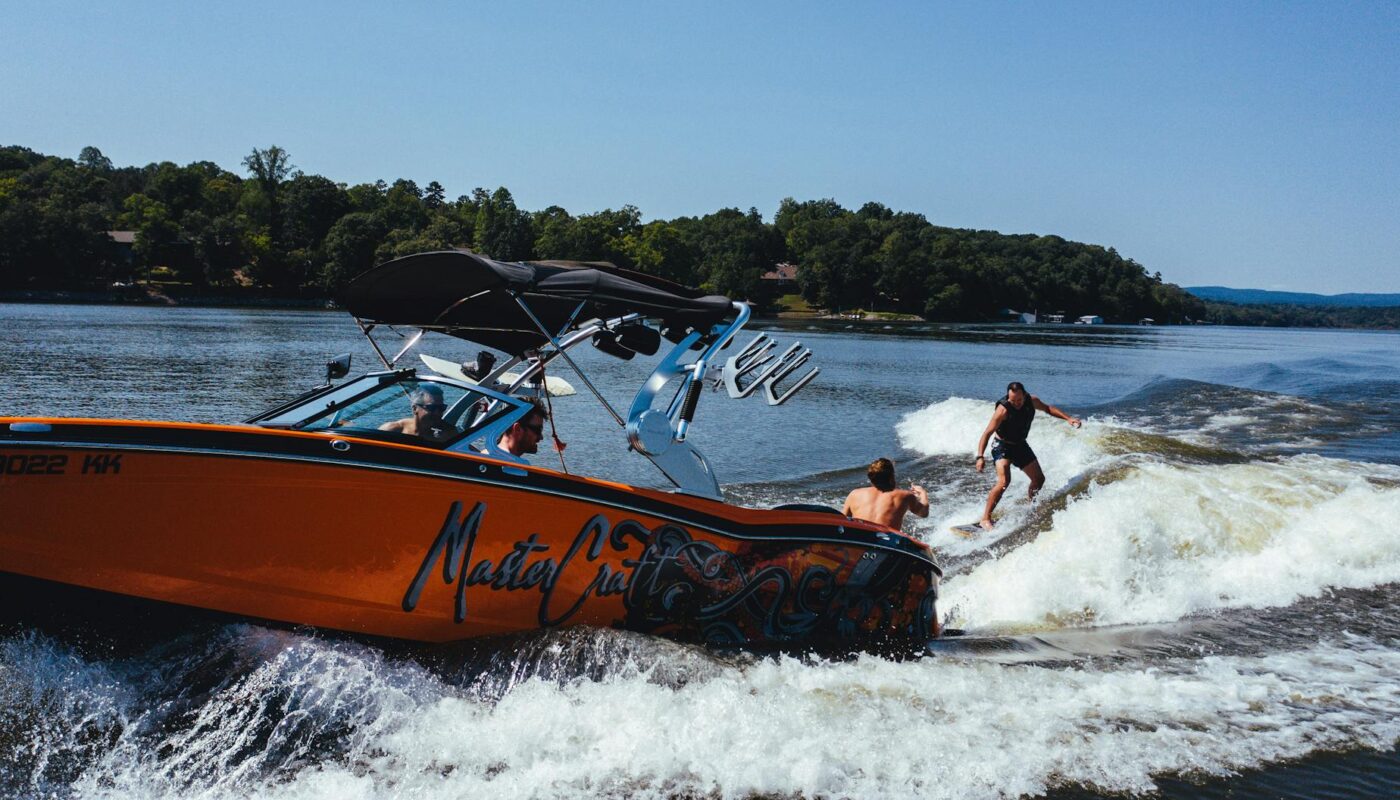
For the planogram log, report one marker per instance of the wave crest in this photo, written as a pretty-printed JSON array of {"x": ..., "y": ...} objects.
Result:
[{"x": 1169, "y": 540}]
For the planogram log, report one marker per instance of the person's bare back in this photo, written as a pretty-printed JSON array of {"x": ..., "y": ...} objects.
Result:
[
  {"x": 883, "y": 504},
  {"x": 882, "y": 508}
]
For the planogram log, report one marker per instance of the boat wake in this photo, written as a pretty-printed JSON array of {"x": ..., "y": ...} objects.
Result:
[
  {"x": 1169, "y": 541},
  {"x": 1138, "y": 527}
]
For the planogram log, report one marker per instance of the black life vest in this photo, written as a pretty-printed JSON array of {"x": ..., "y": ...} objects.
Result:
[{"x": 1017, "y": 423}]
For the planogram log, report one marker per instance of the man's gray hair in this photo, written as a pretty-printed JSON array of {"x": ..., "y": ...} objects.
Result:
[{"x": 426, "y": 390}]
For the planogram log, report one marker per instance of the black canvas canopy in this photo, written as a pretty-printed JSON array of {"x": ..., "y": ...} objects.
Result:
[{"x": 473, "y": 297}]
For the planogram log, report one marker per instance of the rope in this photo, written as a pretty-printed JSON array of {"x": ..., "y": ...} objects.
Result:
[{"x": 559, "y": 444}]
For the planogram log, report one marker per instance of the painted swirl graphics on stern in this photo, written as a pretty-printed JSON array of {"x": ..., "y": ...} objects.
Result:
[{"x": 671, "y": 583}]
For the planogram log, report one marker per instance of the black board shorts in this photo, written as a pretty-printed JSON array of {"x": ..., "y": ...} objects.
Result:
[{"x": 1018, "y": 453}]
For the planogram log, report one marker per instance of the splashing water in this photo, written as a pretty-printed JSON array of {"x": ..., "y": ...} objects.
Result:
[
  {"x": 1167, "y": 541},
  {"x": 319, "y": 720}
]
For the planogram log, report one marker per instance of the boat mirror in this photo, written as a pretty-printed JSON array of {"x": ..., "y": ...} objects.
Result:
[
  {"x": 640, "y": 338},
  {"x": 338, "y": 367},
  {"x": 607, "y": 342}
]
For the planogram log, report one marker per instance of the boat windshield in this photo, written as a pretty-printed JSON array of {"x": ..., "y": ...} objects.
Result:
[{"x": 399, "y": 407}]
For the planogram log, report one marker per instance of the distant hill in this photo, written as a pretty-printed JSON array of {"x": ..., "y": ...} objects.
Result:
[{"x": 1254, "y": 297}]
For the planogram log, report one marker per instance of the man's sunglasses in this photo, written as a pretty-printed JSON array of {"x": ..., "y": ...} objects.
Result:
[
  {"x": 432, "y": 408},
  {"x": 537, "y": 428}
]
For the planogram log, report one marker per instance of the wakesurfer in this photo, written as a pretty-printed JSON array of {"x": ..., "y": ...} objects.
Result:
[{"x": 1011, "y": 422}]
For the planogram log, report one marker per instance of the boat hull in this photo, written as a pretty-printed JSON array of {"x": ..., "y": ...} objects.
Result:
[{"x": 388, "y": 540}]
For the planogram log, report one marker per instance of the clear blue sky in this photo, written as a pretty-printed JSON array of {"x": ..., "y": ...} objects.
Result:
[{"x": 1245, "y": 144}]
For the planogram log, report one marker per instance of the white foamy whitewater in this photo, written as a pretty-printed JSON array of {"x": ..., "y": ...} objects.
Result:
[
  {"x": 312, "y": 720},
  {"x": 1137, "y": 536}
]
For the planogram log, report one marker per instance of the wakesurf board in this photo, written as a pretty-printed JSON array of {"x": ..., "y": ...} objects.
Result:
[{"x": 558, "y": 387}]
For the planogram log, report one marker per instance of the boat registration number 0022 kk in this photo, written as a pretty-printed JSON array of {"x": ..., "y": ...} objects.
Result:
[{"x": 59, "y": 464}]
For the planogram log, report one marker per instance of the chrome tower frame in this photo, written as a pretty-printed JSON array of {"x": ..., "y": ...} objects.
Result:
[{"x": 655, "y": 433}]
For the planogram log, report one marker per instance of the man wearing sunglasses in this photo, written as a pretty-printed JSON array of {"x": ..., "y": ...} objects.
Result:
[
  {"x": 524, "y": 435},
  {"x": 426, "y": 421}
]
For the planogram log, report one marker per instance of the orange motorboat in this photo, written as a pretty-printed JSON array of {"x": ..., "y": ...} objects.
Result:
[{"x": 324, "y": 512}]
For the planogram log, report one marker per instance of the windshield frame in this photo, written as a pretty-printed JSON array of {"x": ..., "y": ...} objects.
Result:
[{"x": 317, "y": 405}]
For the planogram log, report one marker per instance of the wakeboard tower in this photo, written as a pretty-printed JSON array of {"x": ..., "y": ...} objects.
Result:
[{"x": 312, "y": 514}]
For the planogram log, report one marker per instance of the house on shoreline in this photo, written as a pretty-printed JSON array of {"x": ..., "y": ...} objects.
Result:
[
  {"x": 781, "y": 279},
  {"x": 776, "y": 282},
  {"x": 124, "y": 248}
]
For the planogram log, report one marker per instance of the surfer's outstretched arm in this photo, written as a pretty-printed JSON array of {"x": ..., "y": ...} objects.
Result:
[{"x": 1041, "y": 405}]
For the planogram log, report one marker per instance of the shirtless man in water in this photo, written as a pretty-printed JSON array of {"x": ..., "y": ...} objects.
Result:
[{"x": 881, "y": 502}]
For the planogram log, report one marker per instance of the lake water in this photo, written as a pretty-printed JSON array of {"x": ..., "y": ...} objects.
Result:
[{"x": 1205, "y": 602}]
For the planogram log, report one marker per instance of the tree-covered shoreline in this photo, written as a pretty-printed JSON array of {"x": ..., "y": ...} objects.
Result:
[{"x": 277, "y": 232}]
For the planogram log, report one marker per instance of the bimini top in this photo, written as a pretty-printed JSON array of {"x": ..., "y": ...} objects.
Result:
[{"x": 472, "y": 297}]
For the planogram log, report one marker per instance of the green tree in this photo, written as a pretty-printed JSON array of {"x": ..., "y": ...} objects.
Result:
[
  {"x": 311, "y": 205},
  {"x": 219, "y": 247},
  {"x": 91, "y": 158},
  {"x": 272, "y": 263},
  {"x": 502, "y": 231},
  {"x": 403, "y": 207},
  {"x": 600, "y": 236},
  {"x": 661, "y": 249},
  {"x": 269, "y": 168},
  {"x": 350, "y": 247},
  {"x": 434, "y": 195},
  {"x": 367, "y": 196},
  {"x": 52, "y": 222},
  {"x": 810, "y": 231},
  {"x": 157, "y": 232},
  {"x": 177, "y": 188},
  {"x": 554, "y": 234},
  {"x": 735, "y": 248}
]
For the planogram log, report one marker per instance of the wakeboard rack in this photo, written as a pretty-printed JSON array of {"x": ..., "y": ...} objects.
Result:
[{"x": 756, "y": 366}]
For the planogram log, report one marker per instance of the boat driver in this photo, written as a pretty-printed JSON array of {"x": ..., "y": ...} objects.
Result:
[
  {"x": 426, "y": 420},
  {"x": 524, "y": 435}
]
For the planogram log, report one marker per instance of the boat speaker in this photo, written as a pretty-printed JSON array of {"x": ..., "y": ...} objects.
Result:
[
  {"x": 607, "y": 341},
  {"x": 640, "y": 339},
  {"x": 675, "y": 332}
]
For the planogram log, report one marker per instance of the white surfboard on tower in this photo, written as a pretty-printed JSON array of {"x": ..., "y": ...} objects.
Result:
[{"x": 558, "y": 387}]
